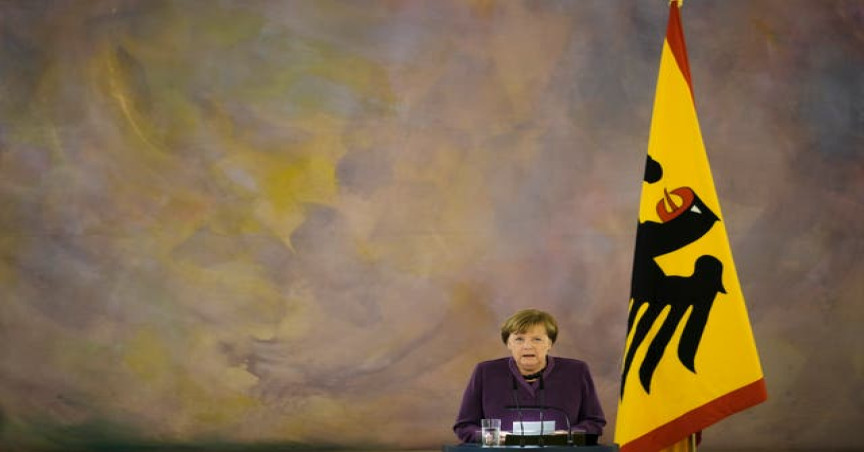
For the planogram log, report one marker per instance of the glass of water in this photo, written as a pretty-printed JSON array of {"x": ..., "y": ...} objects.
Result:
[{"x": 490, "y": 432}]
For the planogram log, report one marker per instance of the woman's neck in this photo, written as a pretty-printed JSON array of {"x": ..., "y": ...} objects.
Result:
[{"x": 528, "y": 376}]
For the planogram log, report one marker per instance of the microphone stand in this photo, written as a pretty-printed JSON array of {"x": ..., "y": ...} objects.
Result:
[
  {"x": 540, "y": 393},
  {"x": 518, "y": 411}
]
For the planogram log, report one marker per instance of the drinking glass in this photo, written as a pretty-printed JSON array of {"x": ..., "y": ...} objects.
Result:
[{"x": 490, "y": 432}]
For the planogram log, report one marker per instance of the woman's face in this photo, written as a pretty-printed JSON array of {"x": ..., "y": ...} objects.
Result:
[{"x": 529, "y": 349}]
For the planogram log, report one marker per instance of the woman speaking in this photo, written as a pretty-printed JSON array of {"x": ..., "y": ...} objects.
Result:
[{"x": 530, "y": 386}]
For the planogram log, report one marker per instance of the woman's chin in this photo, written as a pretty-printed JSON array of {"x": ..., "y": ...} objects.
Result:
[{"x": 529, "y": 365}]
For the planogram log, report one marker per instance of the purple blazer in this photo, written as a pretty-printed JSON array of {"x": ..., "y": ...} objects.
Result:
[{"x": 567, "y": 386}]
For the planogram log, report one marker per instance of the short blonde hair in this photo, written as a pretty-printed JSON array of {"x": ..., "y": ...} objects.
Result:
[{"x": 523, "y": 320}]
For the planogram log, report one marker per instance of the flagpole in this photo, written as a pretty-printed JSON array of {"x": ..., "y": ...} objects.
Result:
[{"x": 691, "y": 440}]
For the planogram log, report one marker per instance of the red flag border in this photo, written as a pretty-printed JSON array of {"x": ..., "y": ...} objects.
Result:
[
  {"x": 699, "y": 418},
  {"x": 678, "y": 46}
]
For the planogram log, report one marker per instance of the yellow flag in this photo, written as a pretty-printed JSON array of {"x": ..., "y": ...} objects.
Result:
[{"x": 690, "y": 359}]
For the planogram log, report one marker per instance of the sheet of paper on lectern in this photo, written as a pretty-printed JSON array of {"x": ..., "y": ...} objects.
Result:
[{"x": 532, "y": 427}]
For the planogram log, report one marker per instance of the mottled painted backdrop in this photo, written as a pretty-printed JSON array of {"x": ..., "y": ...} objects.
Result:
[{"x": 269, "y": 221}]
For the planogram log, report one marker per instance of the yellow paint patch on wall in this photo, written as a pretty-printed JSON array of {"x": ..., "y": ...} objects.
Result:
[
  {"x": 201, "y": 393},
  {"x": 277, "y": 187},
  {"x": 147, "y": 355}
]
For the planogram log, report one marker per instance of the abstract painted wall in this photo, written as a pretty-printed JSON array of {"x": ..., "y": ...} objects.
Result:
[{"x": 263, "y": 222}]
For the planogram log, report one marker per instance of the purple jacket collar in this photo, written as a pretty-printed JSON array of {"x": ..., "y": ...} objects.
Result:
[{"x": 531, "y": 387}]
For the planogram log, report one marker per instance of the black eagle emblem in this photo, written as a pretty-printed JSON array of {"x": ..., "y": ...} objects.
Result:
[{"x": 684, "y": 220}]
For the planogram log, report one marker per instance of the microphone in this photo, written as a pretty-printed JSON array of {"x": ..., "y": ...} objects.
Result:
[
  {"x": 518, "y": 410},
  {"x": 540, "y": 408},
  {"x": 542, "y": 402}
]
